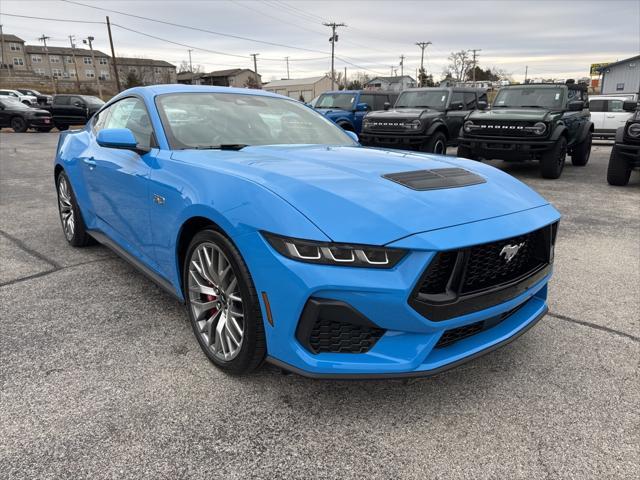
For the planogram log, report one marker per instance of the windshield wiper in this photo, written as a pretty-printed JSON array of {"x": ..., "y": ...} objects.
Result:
[
  {"x": 532, "y": 106},
  {"x": 224, "y": 146}
]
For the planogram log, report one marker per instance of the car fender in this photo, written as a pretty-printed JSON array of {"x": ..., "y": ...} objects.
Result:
[
  {"x": 620, "y": 134},
  {"x": 437, "y": 124},
  {"x": 560, "y": 129},
  {"x": 584, "y": 131}
]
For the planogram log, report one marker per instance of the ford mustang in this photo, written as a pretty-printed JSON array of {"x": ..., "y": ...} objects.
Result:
[{"x": 290, "y": 242}]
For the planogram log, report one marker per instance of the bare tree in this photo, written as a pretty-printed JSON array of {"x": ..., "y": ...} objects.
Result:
[{"x": 459, "y": 64}]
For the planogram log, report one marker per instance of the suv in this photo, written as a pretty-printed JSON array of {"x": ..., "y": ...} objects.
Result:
[
  {"x": 28, "y": 100},
  {"x": 348, "y": 107},
  {"x": 73, "y": 109},
  {"x": 426, "y": 119},
  {"x": 625, "y": 154},
  {"x": 532, "y": 122}
]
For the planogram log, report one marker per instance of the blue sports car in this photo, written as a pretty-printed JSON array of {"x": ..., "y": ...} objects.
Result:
[{"x": 290, "y": 242}]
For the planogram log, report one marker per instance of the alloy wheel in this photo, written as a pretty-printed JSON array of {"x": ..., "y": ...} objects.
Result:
[
  {"x": 215, "y": 301},
  {"x": 439, "y": 147},
  {"x": 67, "y": 216}
]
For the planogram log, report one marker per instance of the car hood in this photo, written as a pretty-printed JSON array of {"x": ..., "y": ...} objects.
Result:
[
  {"x": 403, "y": 113},
  {"x": 509, "y": 114},
  {"x": 342, "y": 191}
]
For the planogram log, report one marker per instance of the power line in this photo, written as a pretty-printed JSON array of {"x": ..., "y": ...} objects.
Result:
[{"x": 53, "y": 19}]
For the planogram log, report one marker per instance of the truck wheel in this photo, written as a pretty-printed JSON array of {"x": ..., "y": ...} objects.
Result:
[
  {"x": 346, "y": 126},
  {"x": 466, "y": 152},
  {"x": 62, "y": 127},
  {"x": 619, "y": 170},
  {"x": 582, "y": 151},
  {"x": 552, "y": 162},
  {"x": 436, "y": 144},
  {"x": 19, "y": 125}
]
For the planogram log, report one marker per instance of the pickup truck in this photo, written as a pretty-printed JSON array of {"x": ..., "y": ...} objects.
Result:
[
  {"x": 347, "y": 108},
  {"x": 625, "y": 154},
  {"x": 71, "y": 109}
]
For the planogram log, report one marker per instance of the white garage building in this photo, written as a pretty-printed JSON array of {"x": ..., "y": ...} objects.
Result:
[{"x": 305, "y": 89}]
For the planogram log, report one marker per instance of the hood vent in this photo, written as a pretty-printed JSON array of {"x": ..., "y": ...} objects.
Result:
[{"x": 435, "y": 179}]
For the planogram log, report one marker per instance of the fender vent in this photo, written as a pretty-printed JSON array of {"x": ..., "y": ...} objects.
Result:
[{"x": 435, "y": 179}]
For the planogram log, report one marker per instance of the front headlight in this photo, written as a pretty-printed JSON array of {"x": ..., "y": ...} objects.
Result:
[
  {"x": 328, "y": 253},
  {"x": 634, "y": 130},
  {"x": 468, "y": 126},
  {"x": 413, "y": 125},
  {"x": 539, "y": 128}
]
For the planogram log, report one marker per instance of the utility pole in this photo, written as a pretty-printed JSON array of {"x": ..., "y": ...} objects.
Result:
[
  {"x": 73, "y": 55},
  {"x": 423, "y": 46},
  {"x": 474, "y": 50},
  {"x": 4, "y": 60},
  {"x": 402, "y": 57},
  {"x": 89, "y": 41},
  {"x": 255, "y": 62},
  {"x": 190, "y": 62},
  {"x": 526, "y": 71},
  {"x": 113, "y": 58},
  {"x": 44, "y": 39},
  {"x": 333, "y": 40},
  {"x": 345, "y": 78},
  {"x": 287, "y": 60}
]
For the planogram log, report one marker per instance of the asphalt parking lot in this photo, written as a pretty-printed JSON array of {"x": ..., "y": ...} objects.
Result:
[{"x": 101, "y": 377}]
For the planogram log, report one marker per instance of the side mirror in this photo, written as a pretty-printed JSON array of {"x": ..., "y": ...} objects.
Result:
[
  {"x": 576, "y": 106},
  {"x": 353, "y": 135},
  {"x": 120, "y": 138},
  {"x": 456, "y": 106},
  {"x": 386, "y": 105},
  {"x": 482, "y": 105},
  {"x": 630, "y": 106},
  {"x": 79, "y": 104},
  {"x": 362, "y": 107}
]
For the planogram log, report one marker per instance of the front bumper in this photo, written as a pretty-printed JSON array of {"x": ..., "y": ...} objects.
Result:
[
  {"x": 506, "y": 148},
  {"x": 629, "y": 152},
  {"x": 40, "y": 122},
  {"x": 403, "y": 141},
  {"x": 408, "y": 347}
]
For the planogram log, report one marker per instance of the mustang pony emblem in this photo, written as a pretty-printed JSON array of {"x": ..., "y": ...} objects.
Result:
[{"x": 510, "y": 251}]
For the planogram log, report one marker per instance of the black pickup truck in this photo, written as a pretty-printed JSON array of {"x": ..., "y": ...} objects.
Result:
[
  {"x": 625, "y": 154},
  {"x": 71, "y": 109},
  {"x": 425, "y": 119}
]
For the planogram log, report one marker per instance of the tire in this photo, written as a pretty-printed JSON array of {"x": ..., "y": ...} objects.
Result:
[
  {"x": 466, "y": 152},
  {"x": 552, "y": 162},
  {"x": 436, "y": 144},
  {"x": 44, "y": 129},
  {"x": 62, "y": 128},
  {"x": 234, "y": 343},
  {"x": 346, "y": 126},
  {"x": 19, "y": 124},
  {"x": 618, "y": 171},
  {"x": 71, "y": 220},
  {"x": 581, "y": 152}
]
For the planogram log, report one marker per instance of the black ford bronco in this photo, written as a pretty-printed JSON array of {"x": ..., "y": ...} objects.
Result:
[
  {"x": 426, "y": 119},
  {"x": 625, "y": 154},
  {"x": 532, "y": 122}
]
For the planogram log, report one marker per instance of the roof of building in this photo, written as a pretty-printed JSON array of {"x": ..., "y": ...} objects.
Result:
[
  {"x": 296, "y": 81},
  {"x": 7, "y": 37},
  {"x": 391, "y": 79},
  {"x": 80, "y": 52},
  {"x": 227, "y": 73},
  {"x": 619, "y": 62},
  {"x": 127, "y": 61}
]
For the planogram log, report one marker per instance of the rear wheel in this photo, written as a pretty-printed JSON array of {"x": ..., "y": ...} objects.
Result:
[
  {"x": 222, "y": 303},
  {"x": 436, "y": 144},
  {"x": 552, "y": 162},
  {"x": 582, "y": 152},
  {"x": 19, "y": 124},
  {"x": 619, "y": 170},
  {"x": 70, "y": 217}
]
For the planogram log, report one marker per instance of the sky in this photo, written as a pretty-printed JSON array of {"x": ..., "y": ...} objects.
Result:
[{"x": 553, "y": 38}]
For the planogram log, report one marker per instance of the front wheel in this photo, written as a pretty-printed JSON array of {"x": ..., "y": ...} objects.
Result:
[
  {"x": 436, "y": 144},
  {"x": 73, "y": 225},
  {"x": 552, "y": 162},
  {"x": 19, "y": 124},
  {"x": 619, "y": 170},
  {"x": 582, "y": 152},
  {"x": 222, "y": 303}
]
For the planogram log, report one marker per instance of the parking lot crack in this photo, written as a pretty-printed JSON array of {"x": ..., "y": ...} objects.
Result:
[
  {"x": 595, "y": 326},
  {"x": 20, "y": 244},
  {"x": 53, "y": 270}
]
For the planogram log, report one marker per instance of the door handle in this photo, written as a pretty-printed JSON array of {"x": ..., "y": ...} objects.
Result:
[
  {"x": 611, "y": 116},
  {"x": 90, "y": 162}
]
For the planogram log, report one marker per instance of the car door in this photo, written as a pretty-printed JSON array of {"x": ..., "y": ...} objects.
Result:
[
  {"x": 572, "y": 119},
  {"x": 598, "y": 109},
  {"x": 455, "y": 116},
  {"x": 77, "y": 110},
  {"x": 615, "y": 115},
  {"x": 359, "y": 116},
  {"x": 4, "y": 114},
  {"x": 118, "y": 180}
]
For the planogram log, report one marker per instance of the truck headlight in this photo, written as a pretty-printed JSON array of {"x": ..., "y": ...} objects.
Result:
[
  {"x": 413, "y": 125},
  {"x": 634, "y": 130},
  {"x": 539, "y": 128},
  {"x": 329, "y": 253},
  {"x": 468, "y": 126}
]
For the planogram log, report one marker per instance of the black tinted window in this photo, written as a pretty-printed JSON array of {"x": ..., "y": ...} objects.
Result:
[
  {"x": 469, "y": 100},
  {"x": 598, "y": 105},
  {"x": 457, "y": 97},
  {"x": 61, "y": 100},
  {"x": 379, "y": 101},
  {"x": 368, "y": 99}
]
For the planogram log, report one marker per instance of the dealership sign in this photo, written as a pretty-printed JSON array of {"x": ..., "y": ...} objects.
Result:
[{"x": 595, "y": 67}]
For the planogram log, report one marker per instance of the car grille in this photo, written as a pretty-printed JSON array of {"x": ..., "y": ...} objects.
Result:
[
  {"x": 439, "y": 272},
  {"x": 504, "y": 129},
  {"x": 41, "y": 114},
  {"x": 342, "y": 337},
  {"x": 395, "y": 125}
]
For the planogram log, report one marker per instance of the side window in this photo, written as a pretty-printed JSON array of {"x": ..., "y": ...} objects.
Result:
[
  {"x": 575, "y": 95},
  {"x": 469, "y": 100},
  {"x": 483, "y": 98},
  {"x": 598, "y": 105},
  {"x": 100, "y": 119},
  {"x": 616, "y": 106},
  {"x": 61, "y": 100},
  {"x": 131, "y": 113},
  {"x": 379, "y": 101},
  {"x": 74, "y": 100},
  {"x": 368, "y": 99},
  {"x": 456, "y": 97}
]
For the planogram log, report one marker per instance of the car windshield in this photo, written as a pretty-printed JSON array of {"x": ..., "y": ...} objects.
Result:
[
  {"x": 436, "y": 99},
  {"x": 30, "y": 92},
  {"x": 14, "y": 103},
  {"x": 93, "y": 101},
  {"x": 215, "y": 120},
  {"x": 529, "y": 97},
  {"x": 343, "y": 101}
]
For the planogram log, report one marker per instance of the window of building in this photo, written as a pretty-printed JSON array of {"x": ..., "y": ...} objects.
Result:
[
  {"x": 102, "y": 61},
  {"x": 87, "y": 60},
  {"x": 90, "y": 73},
  {"x": 18, "y": 61},
  {"x": 39, "y": 71},
  {"x": 157, "y": 70},
  {"x": 54, "y": 59},
  {"x": 68, "y": 59},
  {"x": 36, "y": 59},
  {"x": 104, "y": 75},
  {"x": 620, "y": 87},
  {"x": 133, "y": 69},
  {"x": 56, "y": 72},
  {"x": 15, "y": 47}
]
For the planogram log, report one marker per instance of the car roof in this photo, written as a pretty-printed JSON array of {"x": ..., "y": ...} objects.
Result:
[
  {"x": 155, "y": 90},
  {"x": 451, "y": 89},
  {"x": 607, "y": 97},
  {"x": 366, "y": 92}
]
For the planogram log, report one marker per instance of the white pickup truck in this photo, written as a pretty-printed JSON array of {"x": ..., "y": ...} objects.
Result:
[{"x": 607, "y": 115}]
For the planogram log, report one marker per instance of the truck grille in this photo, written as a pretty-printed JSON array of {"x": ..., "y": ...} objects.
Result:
[{"x": 504, "y": 129}]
